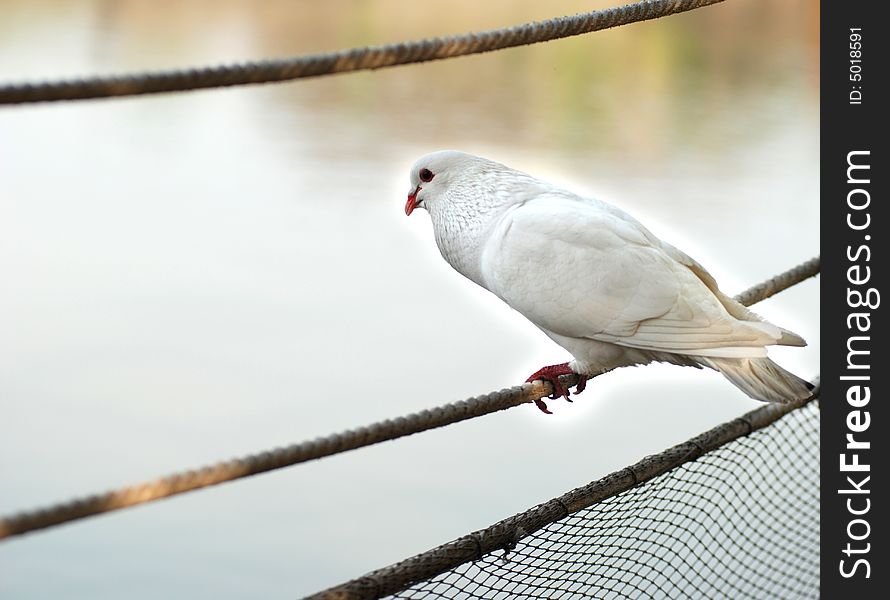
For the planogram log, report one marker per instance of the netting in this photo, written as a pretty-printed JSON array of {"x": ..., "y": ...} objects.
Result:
[{"x": 741, "y": 521}]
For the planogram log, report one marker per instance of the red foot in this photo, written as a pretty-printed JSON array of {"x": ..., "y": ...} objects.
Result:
[{"x": 551, "y": 374}]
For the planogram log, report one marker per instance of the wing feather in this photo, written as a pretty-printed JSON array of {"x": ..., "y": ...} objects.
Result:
[{"x": 581, "y": 268}]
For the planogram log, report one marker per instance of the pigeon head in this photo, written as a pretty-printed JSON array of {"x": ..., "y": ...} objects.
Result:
[
  {"x": 465, "y": 196},
  {"x": 432, "y": 174}
]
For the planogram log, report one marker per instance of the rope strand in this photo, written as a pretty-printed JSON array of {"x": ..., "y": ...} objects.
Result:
[
  {"x": 391, "y": 429},
  {"x": 354, "y": 59}
]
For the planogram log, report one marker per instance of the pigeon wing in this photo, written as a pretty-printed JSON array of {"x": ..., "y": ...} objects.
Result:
[{"x": 584, "y": 269}]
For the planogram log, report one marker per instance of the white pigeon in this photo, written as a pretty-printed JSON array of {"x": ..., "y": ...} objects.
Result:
[{"x": 592, "y": 278}]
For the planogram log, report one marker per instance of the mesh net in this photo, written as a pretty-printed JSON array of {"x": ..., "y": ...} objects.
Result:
[{"x": 741, "y": 521}]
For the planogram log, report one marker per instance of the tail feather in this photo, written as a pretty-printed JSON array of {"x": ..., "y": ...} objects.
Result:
[
  {"x": 789, "y": 338},
  {"x": 761, "y": 378}
]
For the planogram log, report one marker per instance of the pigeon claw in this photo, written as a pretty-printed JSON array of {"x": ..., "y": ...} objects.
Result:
[
  {"x": 582, "y": 384},
  {"x": 551, "y": 375},
  {"x": 543, "y": 406}
]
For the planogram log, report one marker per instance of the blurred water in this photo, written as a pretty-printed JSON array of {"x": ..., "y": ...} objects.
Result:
[{"x": 191, "y": 277}]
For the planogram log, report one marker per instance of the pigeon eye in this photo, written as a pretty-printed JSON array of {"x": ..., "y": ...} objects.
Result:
[{"x": 426, "y": 175}]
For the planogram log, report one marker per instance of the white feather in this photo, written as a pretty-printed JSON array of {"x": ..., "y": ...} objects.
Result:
[{"x": 588, "y": 274}]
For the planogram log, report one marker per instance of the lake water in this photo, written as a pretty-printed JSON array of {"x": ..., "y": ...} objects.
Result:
[{"x": 188, "y": 278}]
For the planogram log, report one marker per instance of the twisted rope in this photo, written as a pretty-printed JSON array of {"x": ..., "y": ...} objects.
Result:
[
  {"x": 780, "y": 282},
  {"x": 355, "y": 59},
  {"x": 326, "y": 446}
]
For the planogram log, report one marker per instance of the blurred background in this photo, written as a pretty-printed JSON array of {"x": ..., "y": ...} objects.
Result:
[{"x": 191, "y": 277}]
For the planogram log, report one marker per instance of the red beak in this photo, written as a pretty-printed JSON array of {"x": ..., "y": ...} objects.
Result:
[{"x": 412, "y": 201}]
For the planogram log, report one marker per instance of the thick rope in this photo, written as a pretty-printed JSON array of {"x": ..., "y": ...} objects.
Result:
[
  {"x": 505, "y": 534},
  {"x": 326, "y": 446},
  {"x": 355, "y": 59},
  {"x": 780, "y": 282}
]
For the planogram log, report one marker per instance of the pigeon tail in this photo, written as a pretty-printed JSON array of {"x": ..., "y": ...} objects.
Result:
[{"x": 761, "y": 378}]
